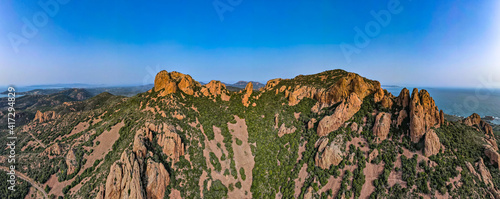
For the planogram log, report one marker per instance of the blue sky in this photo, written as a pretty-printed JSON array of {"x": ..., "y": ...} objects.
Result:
[{"x": 425, "y": 43}]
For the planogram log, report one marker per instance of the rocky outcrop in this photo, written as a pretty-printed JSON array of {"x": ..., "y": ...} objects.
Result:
[
  {"x": 424, "y": 114},
  {"x": 248, "y": 93},
  {"x": 373, "y": 155},
  {"x": 339, "y": 91},
  {"x": 157, "y": 180},
  {"x": 124, "y": 179},
  {"x": 493, "y": 155},
  {"x": 328, "y": 154},
  {"x": 311, "y": 123},
  {"x": 283, "y": 130},
  {"x": 45, "y": 116},
  {"x": 382, "y": 125},
  {"x": 215, "y": 88},
  {"x": 475, "y": 121},
  {"x": 342, "y": 113},
  {"x": 271, "y": 84},
  {"x": 432, "y": 144},
  {"x": 485, "y": 173},
  {"x": 167, "y": 83},
  {"x": 71, "y": 161},
  {"x": 169, "y": 141},
  {"x": 54, "y": 149}
]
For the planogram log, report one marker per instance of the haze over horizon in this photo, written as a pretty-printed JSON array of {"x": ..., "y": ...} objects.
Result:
[{"x": 424, "y": 43}]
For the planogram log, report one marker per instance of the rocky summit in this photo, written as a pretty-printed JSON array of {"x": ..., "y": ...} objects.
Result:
[{"x": 334, "y": 134}]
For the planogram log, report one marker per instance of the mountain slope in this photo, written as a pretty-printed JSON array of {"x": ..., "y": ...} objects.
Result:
[{"x": 332, "y": 134}]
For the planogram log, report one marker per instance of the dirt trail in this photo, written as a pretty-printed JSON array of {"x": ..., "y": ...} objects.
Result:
[
  {"x": 37, "y": 140},
  {"x": 27, "y": 179}
]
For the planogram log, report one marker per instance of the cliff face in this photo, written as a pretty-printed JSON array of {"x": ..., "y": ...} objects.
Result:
[{"x": 382, "y": 125}]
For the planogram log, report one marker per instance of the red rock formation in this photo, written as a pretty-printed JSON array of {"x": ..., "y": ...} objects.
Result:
[
  {"x": 157, "y": 180},
  {"x": 71, "y": 161},
  {"x": 492, "y": 155},
  {"x": 248, "y": 93},
  {"x": 327, "y": 155},
  {"x": 271, "y": 84},
  {"x": 167, "y": 83},
  {"x": 44, "y": 117},
  {"x": 423, "y": 114},
  {"x": 485, "y": 173},
  {"x": 283, "y": 130},
  {"x": 475, "y": 121},
  {"x": 170, "y": 141},
  {"x": 342, "y": 113},
  {"x": 403, "y": 99},
  {"x": 215, "y": 88},
  {"x": 402, "y": 115},
  {"x": 432, "y": 144},
  {"x": 124, "y": 179},
  {"x": 382, "y": 125}
]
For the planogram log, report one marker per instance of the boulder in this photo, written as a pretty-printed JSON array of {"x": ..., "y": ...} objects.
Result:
[
  {"x": 432, "y": 144},
  {"x": 328, "y": 155},
  {"x": 382, "y": 125},
  {"x": 342, "y": 113}
]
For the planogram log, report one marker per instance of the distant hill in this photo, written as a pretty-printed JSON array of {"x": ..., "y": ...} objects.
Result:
[{"x": 127, "y": 91}]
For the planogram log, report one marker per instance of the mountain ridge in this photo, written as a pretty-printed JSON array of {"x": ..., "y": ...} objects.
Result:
[{"x": 291, "y": 138}]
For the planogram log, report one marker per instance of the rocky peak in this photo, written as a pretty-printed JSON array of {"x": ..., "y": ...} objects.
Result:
[
  {"x": 215, "y": 88},
  {"x": 271, "y": 84},
  {"x": 167, "y": 83},
  {"x": 424, "y": 114},
  {"x": 403, "y": 99}
]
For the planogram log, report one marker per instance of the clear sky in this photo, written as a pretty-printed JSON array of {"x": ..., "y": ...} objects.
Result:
[{"x": 424, "y": 43}]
